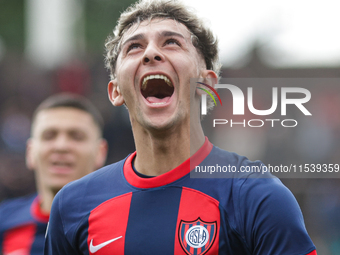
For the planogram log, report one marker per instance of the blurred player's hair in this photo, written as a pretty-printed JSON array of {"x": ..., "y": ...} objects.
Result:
[{"x": 70, "y": 100}]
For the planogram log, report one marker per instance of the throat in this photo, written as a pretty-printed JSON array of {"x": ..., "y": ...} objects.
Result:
[{"x": 156, "y": 159}]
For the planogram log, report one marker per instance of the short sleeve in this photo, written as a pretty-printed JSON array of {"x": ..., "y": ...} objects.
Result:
[{"x": 270, "y": 218}]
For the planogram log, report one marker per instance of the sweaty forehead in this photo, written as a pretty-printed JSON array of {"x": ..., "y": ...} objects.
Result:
[{"x": 157, "y": 25}]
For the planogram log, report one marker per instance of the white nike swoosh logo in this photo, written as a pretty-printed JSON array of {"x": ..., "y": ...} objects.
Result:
[{"x": 95, "y": 248}]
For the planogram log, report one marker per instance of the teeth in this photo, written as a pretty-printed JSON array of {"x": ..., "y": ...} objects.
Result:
[
  {"x": 158, "y": 103},
  {"x": 157, "y": 76},
  {"x": 60, "y": 164}
]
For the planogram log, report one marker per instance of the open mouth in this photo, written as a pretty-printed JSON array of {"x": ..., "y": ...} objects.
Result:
[
  {"x": 157, "y": 89},
  {"x": 61, "y": 164},
  {"x": 60, "y": 167}
]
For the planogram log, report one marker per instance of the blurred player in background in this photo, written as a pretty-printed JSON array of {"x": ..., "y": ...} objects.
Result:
[
  {"x": 66, "y": 143},
  {"x": 147, "y": 203}
]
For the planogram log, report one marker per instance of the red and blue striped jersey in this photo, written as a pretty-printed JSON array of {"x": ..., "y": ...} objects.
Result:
[
  {"x": 115, "y": 211},
  {"x": 22, "y": 226}
]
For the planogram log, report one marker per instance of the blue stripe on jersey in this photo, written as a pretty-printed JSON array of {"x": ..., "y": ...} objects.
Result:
[
  {"x": 158, "y": 226},
  {"x": 38, "y": 243}
]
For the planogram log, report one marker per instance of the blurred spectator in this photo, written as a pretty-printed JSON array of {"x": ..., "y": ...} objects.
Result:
[{"x": 66, "y": 143}]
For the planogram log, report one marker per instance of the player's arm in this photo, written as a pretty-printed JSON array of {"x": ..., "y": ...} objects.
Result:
[
  {"x": 273, "y": 222},
  {"x": 56, "y": 242}
]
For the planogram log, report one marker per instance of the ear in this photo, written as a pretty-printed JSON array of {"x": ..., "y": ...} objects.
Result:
[
  {"x": 209, "y": 77},
  {"x": 101, "y": 154},
  {"x": 115, "y": 95},
  {"x": 29, "y": 154}
]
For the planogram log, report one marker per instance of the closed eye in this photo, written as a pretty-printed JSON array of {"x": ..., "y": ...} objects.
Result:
[
  {"x": 172, "y": 41},
  {"x": 77, "y": 135},
  {"x": 48, "y": 135},
  {"x": 133, "y": 46}
]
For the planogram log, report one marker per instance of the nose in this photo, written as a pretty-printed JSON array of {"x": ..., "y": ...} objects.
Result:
[
  {"x": 152, "y": 54},
  {"x": 61, "y": 143}
]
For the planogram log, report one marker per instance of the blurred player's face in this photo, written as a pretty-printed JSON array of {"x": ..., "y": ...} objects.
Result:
[
  {"x": 65, "y": 146},
  {"x": 154, "y": 67}
]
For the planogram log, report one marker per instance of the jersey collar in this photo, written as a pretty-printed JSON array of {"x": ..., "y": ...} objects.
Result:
[
  {"x": 171, "y": 176},
  {"x": 37, "y": 213}
]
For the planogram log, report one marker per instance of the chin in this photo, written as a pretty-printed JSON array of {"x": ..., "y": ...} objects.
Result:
[
  {"x": 55, "y": 189},
  {"x": 60, "y": 184},
  {"x": 161, "y": 124}
]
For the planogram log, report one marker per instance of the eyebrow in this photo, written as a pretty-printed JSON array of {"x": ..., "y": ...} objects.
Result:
[
  {"x": 171, "y": 33},
  {"x": 133, "y": 38},
  {"x": 142, "y": 36}
]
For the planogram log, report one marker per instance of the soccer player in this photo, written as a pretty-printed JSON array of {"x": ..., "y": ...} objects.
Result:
[
  {"x": 147, "y": 203},
  {"x": 66, "y": 143}
]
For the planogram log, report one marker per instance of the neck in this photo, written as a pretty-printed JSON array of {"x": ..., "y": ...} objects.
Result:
[
  {"x": 160, "y": 152},
  {"x": 46, "y": 198}
]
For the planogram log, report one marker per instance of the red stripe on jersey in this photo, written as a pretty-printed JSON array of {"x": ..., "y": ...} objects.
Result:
[
  {"x": 186, "y": 228},
  {"x": 197, "y": 208},
  {"x": 37, "y": 213},
  {"x": 171, "y": 176},
  {"x": 107, "y": 226},
  {"x": 312, "y": 253},
  {"x": 19, "y": 240},
  {"x": 207, "y": 245}
]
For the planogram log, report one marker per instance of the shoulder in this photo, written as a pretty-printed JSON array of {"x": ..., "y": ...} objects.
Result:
[
  {"x": 224, "y": 164},
  {"x": 232, "y": 179},
  {"x": 267, "y": 214},
  {"x": 268, "y": 189},
  {"x": 243, "y": 184},
  {"x": 17, "y": 210},
  {"x": 78, "y": 198},
  {"x": 96, "y": 179},
  {"x": 250, "y": 179},
  {"x": 234, "y": 159},
  {"x": 14, "y": 204}
]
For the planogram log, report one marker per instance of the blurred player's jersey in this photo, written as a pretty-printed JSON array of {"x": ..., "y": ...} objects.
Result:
[
  {"x": 115, "y": 211},
  {"x": 22, "y": 226}
]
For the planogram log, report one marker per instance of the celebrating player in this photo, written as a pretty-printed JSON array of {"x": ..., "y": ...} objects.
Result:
[
  {"x": 66, "y": 143},
  {"x": 147, "y": 203}
]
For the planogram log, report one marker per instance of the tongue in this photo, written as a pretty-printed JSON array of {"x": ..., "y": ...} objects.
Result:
[{"x": 154, "y": 100}]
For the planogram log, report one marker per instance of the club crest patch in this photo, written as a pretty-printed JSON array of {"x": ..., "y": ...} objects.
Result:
[{"x": 196, "y": 237}]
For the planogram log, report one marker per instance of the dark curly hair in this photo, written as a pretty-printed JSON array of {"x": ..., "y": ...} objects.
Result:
[{"x": 201, "y": 36}]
